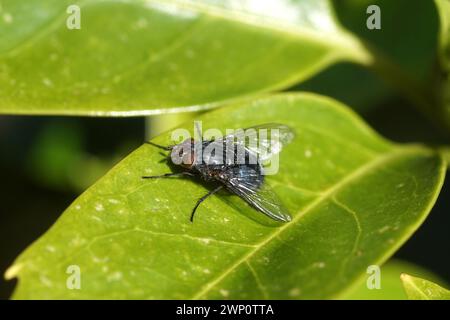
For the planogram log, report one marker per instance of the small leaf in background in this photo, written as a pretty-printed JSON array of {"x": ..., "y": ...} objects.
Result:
[
  {"x": 404, "y": 50},
  {"x": 391, "y": 287},
  {"x": 57, "y": 148},
  {"x": 446, "y": 153},
  {"x": 420, "y": 289},
  {"x": 443, "y": 91},
  {"x": 59, "y": 155},
  {"x": 355, "y": 199},
  {"x": 408, "y": 34},
  {"x": 157, "y": 124},
  {"x": 142, "y": 57},
  {"x": 407, "y": 37},
  {"x": 353, "y": 84}
]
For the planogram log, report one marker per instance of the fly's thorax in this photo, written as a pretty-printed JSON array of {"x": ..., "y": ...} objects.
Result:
[
  {"x": 227, "y": 153},
  {"x": 190, "y": 153}
]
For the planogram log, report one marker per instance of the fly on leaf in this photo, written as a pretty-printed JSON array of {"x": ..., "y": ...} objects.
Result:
[{"x": 234, "y": 162}]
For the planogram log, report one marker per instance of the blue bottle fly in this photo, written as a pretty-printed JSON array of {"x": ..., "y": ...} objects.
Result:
[{"x": 238, "y": 169}]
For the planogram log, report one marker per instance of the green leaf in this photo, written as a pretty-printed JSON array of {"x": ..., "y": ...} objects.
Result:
[
  {"x": 391, "y": 287},
  {"x": 413, "y": 53},
  {"x": 415, "y": 42},
  {"x": 352, "y": 84},
  {"x": 443, "y": 7},
  {"x": 446, "y": 154},
  {"x": 420, "y": 289},
  {"x": 404, "y": 51},
  {"x": 443, "y": 91},
  {"x": 152, "y": 56},
  {"x": 355, "y": 199}
]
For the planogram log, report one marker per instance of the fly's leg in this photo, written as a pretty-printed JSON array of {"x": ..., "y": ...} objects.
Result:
[
  {"x": 159, "y": 146},
  {"x": 168, "y": 175},
  {"x": 203, "y": 199}
]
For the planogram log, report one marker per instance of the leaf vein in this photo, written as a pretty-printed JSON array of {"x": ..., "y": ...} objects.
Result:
[
  {"x": 358, "y": 235},
  {"x": 258, "y": 281}
]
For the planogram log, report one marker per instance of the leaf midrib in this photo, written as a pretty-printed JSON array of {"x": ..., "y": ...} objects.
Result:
[{"x": 360, "y": 171}]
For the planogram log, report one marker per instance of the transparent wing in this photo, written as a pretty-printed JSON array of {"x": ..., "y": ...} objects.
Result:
[
  {"x": 264, "y": 140},
  {"x": 249, "y": 185}
]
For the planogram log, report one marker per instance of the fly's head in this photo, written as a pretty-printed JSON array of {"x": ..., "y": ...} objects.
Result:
[{"x": 183, "y": 154}]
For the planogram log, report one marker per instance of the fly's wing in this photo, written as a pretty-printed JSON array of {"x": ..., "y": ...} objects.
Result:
[
  {"x": 249, "y": 186},
  {"x": 264, "y": 140}
]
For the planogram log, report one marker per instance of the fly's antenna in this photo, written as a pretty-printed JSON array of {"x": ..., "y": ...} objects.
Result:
[{"x": 159, "y": 146}]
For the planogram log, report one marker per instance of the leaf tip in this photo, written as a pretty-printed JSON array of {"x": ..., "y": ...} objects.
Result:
[
  {"x": 405, "y": 277},
  {"x": 12, "y": 271}
]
